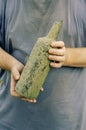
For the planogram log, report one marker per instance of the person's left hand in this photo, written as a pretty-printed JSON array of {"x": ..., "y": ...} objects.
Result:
[{"x": 57, "y": 54}]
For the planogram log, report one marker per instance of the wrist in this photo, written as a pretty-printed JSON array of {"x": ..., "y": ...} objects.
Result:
[
  {"x": 13, "y": 64},
  {"x": 7, "y": 61},
  {"x": 75, "y": 57},
  {"x": 68, "y": 57}
]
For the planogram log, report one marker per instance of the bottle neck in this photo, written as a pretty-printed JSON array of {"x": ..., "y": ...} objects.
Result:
[{"x": 55, "y": 29}]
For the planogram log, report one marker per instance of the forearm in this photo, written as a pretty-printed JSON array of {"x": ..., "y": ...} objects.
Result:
[
  {"x": 6, "y": 60},
  {"x": 75, "y": 57}
]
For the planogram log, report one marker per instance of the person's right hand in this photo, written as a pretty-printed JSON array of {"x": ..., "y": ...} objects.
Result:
[
  {"x": 16, "y": 68},
  {"x": 15, "y": 76}
]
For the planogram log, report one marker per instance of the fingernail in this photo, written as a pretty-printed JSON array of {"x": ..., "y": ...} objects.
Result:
[
  {"x": 42, "y": 89},
  {"x": 35, "y": 101}
]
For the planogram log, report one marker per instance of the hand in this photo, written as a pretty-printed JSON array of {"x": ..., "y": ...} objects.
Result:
[
  {"x": 15, "y": 76},
  {"x": 57, "y": 54}
]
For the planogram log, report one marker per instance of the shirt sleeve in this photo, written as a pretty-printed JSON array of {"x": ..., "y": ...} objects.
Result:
[{"x": 2, "y": 23}]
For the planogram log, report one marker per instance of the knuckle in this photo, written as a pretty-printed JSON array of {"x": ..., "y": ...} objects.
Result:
[
  {"x": 53, "y": 51},
  {"x": 62, "y": 43},
  {"x": 63, "y": 58},
  {"x": 61, "y": 52},
  {"x": 58, "y": 65},
  {"x": 64, "y": 49},
  {"x": 59, "y": 58}
]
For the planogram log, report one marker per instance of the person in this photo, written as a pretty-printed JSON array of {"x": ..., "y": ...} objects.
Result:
[{"x": 62, "y": 104}]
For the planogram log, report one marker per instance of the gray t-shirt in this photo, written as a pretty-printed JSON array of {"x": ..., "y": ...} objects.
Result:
[{"x": 62, "y": 106}]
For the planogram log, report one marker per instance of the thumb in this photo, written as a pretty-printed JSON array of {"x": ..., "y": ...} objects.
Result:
[{"x": 16, "y": 74}]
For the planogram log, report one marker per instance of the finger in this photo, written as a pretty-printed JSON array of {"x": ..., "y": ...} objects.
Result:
[
  {"x": 12, "y": 88},
  {"x": 16, "y": 74},
  {"x": 57, "y": 44},
  {"x": 42, "y": 89},
  {"x": 56, "y": 65},
  {"x": 22, "y": 98},
  {"x": 12, "y": 84},
  {"x": 28, "y": 100},
  {"x": 57, "y": 58},
  {"x": 55, "y": 51},
  {"x": 15, "y": 94}
]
